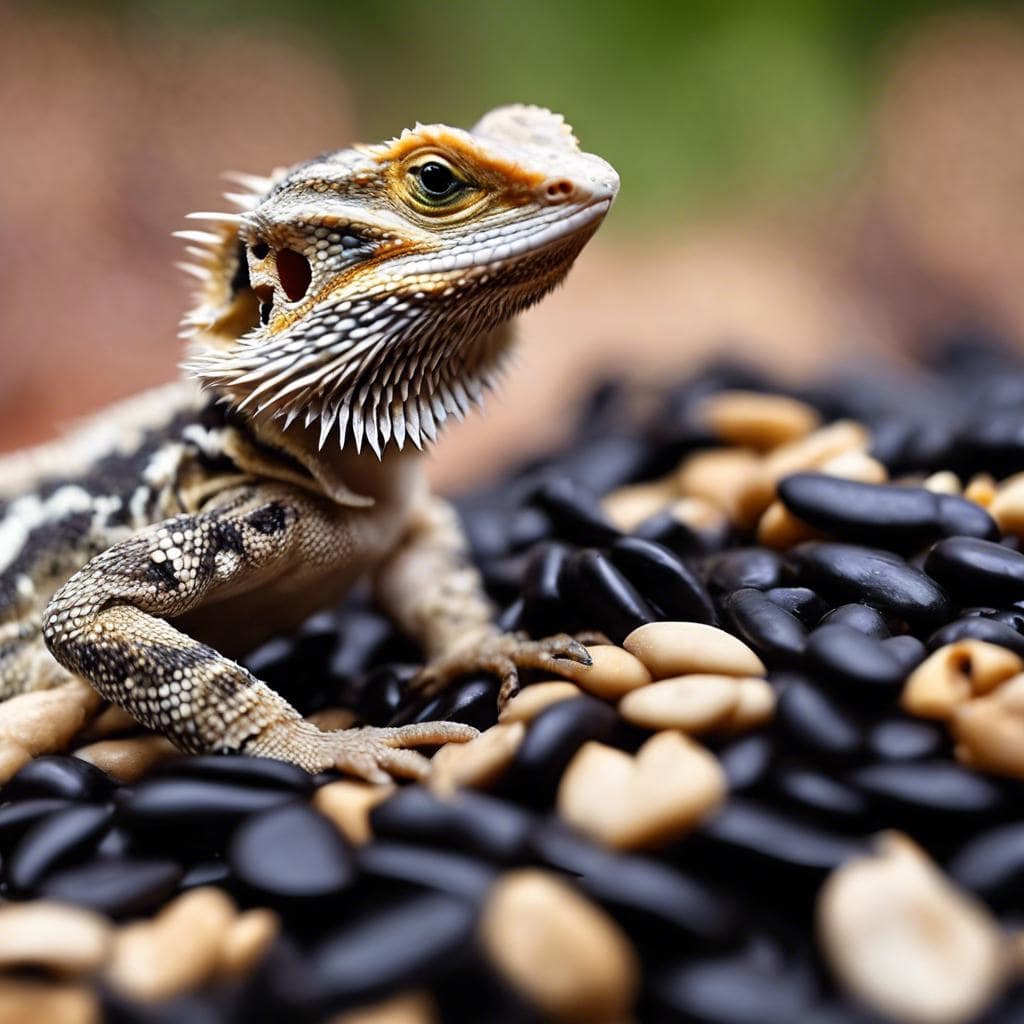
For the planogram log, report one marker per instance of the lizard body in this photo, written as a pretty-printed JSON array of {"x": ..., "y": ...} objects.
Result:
[{"x": 356, "y": 303}]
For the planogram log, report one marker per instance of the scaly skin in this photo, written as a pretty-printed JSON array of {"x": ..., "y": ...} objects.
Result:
[{"x": 355, "y": 304}]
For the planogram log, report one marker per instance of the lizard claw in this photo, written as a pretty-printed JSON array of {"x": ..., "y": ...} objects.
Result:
[
  {"x": 502, "y": 654},
  {"x": 381, "y": 755}
]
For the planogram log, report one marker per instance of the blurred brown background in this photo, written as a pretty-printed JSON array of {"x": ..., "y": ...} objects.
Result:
[{"x": 799, "y": 185}]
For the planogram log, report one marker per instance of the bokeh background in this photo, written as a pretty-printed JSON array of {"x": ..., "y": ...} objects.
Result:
[{"x": 803, "y": 182}]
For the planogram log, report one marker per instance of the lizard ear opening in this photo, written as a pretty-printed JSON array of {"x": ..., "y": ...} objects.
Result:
[{"x": 294, "y": 273}]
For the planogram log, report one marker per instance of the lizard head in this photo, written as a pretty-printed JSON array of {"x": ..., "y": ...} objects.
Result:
[{"x": 364, "y": 290}]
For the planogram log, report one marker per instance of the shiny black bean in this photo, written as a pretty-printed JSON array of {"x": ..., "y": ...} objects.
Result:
[
  {"x": 529, "y": 526},
  {"x": 363, "y": 632},
  {"x": 906, "y": 739},
  {"x": 882, "y": 515},
  {"x": 606, "y": 461},
  {"x": 472, "y": 701},
  {"x": 667, "y": 529},
  {"x": 553, "y": 738},
  {"x": 975, "y": 627},
  {"x": 117, "y": 888},
  {"x": 495, "y": 829},
  {"x": 644, "y": 895},
  {"x": 18, "y": 817},
  {"x": 814, "y": 721},
  {"x": 206, "y": 872},
  {"x": 845, "y": 572},
  {"x": 746, "y": 567},
  {"x": 821, "y": 797},
  {"x": 575, "y": 512},
  {"x": 861, "y": 617},
  {"x": 290, "y": 853},
  {"x": 977, "y": 570},
  {"x": 854, "y": 667},
  {"x": 994, "y": 443},
  {"x": 746, "y": 760},
  {"x": 606, "y": 600},
  {"x": 907, "y": 649},
  {"x": 390, "y": 950},
  {"x": 991, "y": 864},
  {"x": 544, "y": 606},
  {"x": 776, "y": 635},
  {"x": 663, "y": 579},
  {"x": 261, "y": 772},
  {"x": 59, "y": 839},
  {"x": 383, "y": 692},
  {"x": 116, "y": 842},
  {"x": 799, "y": 601},
  {"x": 454, "y": 874},
  {"x": 69, "y": 778}
]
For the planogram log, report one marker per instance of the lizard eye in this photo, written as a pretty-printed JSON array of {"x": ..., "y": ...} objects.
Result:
[{"x": 436, "y": 181}]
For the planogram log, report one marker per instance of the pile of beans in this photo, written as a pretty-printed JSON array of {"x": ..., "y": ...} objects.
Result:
[{"x": 787, "y": 790}]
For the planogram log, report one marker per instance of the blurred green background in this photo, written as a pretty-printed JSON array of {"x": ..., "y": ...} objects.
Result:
[{"x": 694, "y": 102}]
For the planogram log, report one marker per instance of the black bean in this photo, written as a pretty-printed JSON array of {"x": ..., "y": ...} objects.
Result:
[
  {"x": 977, "y": 570},
  {"x": 69, "y": 778},
  {"x": 18, "y": 817},
  {"x": 799, "y": 601},
  {"x": 991, "y": 864},
  {"x": 59, "y": 839},
  {"x": 882, "y": 515},
  {"x": 993, "y": 443},
  {"x": 845, "y": 572},
  {"x": 668, "y": 530},
  {"x": 575, "y": 512},
  {"x": 776, "y": 635},
  {"x": 363, "y": 632},
  {"x": 907, "y": 649},
  {"x": 816, "y": 722},
  {"x": 472, "y": 701},
  {"x": 663, "y": 579},
  {"x": 861, "y": 617},
  {"x": 746, "y": 567},
  {"x": 291, "y": 853},
  {"x": 906, "y": 739},
  {"x": 553, "y": 738},
  {"x": 974, "y": 627},
  {"x": 391, "y": 950},
  {"x": 383, "y": 692},
  {"x": 206, "y": 872},
  {"x": 544, "y": 606},
  {"x": 746, "y": 760},
  {"x": 529, "y": 526},
  {"x": 469, "y": 821},
  {"x": 261, "y": 772},
  {"x": 452, "y": 873},
  {"x": 117, "y": 888},
  {"x": 607, "y": 601},
  {"x": 606, "y": 461},
  {"x": 822, "y": 797},
  {"x": 641, "y": 892},
  {"x": 853, "y": 666}
]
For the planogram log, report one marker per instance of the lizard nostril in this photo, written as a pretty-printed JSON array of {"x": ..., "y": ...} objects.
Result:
[
  {"x": 265, "y": 295},
  {"x": 559, "y": 190}
]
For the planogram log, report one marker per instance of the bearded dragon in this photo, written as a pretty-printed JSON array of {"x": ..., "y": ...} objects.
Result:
[{"x": 353, "y": 305}]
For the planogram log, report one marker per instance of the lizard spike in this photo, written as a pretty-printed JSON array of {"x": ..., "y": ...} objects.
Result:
[
  {"x": 216, "y": 218},
  {"x": 290, "y": 417},
  {"x": 200, "y": 273},
  {"x": 202, "y": 237},
  {"x": 204, "y": 256},
  {"x": 243, "y": 200},
  {"x": 398, "y": 426},
  {"x": 327, "y": 418},
  {"x": 344, "y": 414},
  {"x": 255, "y": 182},
  {"x": 370, "y": 426}
]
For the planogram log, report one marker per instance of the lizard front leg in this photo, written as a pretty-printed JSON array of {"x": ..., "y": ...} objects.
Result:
[
  {"x": 109, "y": 624},
  {"x": 433, "y": 591}
]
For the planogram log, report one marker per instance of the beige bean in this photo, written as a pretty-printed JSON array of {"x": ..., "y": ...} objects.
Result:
[
  {"x": 43, "y": 722},
  {"x": 659, "y": 795},
  {"x": 905, "y": 941},
  {"x": 989, "y": 731},
  {"x": 695, "y": 703},
  {"x": 679, "y": 648},
  {"x": 729, "y": 479},
  {"x": 700, "y": 515},
  {"x": 813, "y": 451},
  {"x": 480, "y": 763},
  {"x": 526, "y": 705},
  {"x": 348, "y": 804},
  {"x": 247, "y": 940},
  {"x": 1007, "y": 505},
  {"x": 944, "y": 482},
  {"x": 612, "y": 672},
  {"x": 855, "y": 465},
  {"x": 128, "y": 760},
  {"x": 55, "y": 937},
  {"x": 563, "y": 953},
  {"x": 954, "y": 674},
  {"x": 177, "y": 951},
  {"x": 409, "y": 1008},
  {"x": 629, "y": 506},
  {"x": 756, "y": 420},
  {"x": 981, "y": 489},
  {"x": 755, "y": 707},
  {"x": 31, "y": 1001},
  {"x": 111, "y": 721},
  {"x": 778, "y": 528}
]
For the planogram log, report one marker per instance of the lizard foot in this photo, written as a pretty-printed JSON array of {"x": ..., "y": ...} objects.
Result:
[
  {"x": 379, "y": 755},
  {"x": 502, "y": 654}
]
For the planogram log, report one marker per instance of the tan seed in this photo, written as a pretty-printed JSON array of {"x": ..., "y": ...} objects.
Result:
[
  {"x": 480, "y": 763},
  {"x": 905, "y": 941},
  {"x": 659, "y": 795},
  {"x": 194, "y": 926},
  {"x": 564, "y": 954},
  {"x": 55, "y": 937},
  {"x": 944, "y": 482},
  {"x": 778, "y": 528},
  {"x": 348, "y": 805},
  {"x": 813, "y": 451},
  {"x": 526, "y": 705},
  {"x": 954, "y": 674},
  {"x": 111, "y": 721},
  {"x": 855, "y": 465},
  {"x": 247, "y": 940},
  {"x": 757, "y": 420},
  {"x": 612, "y": 672},
  {"x": 981, "y": 489},
  {"x": 700, "y": 515},
  {"x": 31, "y": 1001},
  {"x": 629, "y": 506},
  {"x": 1007, "y": 506},
  {"x": 678, "y": 648},
  {"x": 756, "y": 707},
  {"x": 410, "y": 1008},
  {"x": 128, "y": 760},
  {"x": 728, "y": 478},
  {"x": 695, "y": 704},
  {"x": 989, "y": 731}
]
